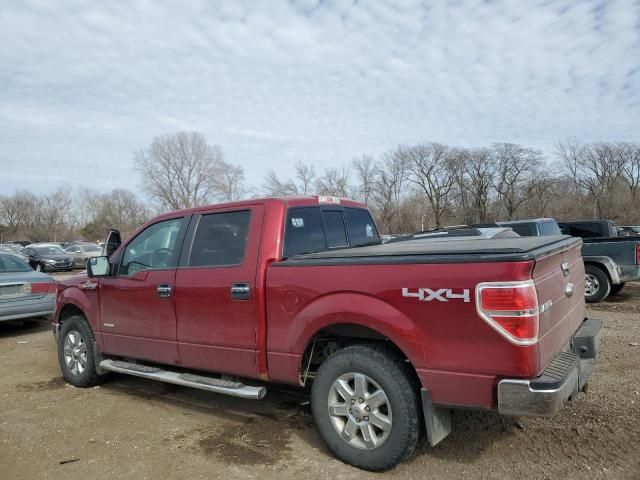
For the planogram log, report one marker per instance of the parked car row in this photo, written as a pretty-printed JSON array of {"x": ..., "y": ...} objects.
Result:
[
  {"x": 25, "y": 290},
  {"x": 54, "y": 257}
]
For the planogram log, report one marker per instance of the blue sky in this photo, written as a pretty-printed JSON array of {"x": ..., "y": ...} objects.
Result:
[{"x": 85, "y": 84}]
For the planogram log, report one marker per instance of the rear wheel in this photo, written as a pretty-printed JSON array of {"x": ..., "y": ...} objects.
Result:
[
  {"x": 616, "y": 289},
  {"x": 597, "y": 285},
  {"x": 76, "y": 352},
  {"x": 366, "y": 407}
]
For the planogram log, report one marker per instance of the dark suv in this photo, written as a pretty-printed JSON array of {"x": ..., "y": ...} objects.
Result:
[{"x": 48, "y": 257}]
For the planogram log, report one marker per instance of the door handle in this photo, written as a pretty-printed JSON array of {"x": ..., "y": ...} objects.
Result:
[
  {"x": 164, "y": 291},
  {"x": 240, "y": 291}
]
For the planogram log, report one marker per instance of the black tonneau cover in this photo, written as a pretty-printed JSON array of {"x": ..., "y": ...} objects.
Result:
[{"x": 461, "y": 250}]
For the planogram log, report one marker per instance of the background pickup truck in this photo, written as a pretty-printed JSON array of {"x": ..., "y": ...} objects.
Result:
[
  {"x": 391, "y": 337},
  {"x": 610, "y": 261}
]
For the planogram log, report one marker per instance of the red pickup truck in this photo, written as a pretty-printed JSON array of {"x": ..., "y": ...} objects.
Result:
[{"x": 300, "y": 290}]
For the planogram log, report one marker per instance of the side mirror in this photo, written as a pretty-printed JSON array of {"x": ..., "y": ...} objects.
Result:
[
  {"x": 98, "y": 267},
  {"x": 111, "y": 243}
]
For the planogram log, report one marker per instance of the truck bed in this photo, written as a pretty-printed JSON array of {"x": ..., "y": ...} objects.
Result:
[
  {"x": 363, "y": 286},
  {"x": 454, "y": 251}
]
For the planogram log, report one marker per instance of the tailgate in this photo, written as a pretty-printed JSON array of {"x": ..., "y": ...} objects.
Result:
[{"x": 559, "y": 279}]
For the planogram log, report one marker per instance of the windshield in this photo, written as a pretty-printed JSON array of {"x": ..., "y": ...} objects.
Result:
[
  {"x": 12, "y": 264},
  {"x": 91, "y": 248},
  {"x": 51, "y": 250}
]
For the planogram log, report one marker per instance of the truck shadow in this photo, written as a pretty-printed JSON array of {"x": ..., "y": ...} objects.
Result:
[
  {"x": 472, "y": 433},
  {"x": 14, "y": 328},
  {"x": 238, "y": 431},
  {"x": 249, "y": 432}
]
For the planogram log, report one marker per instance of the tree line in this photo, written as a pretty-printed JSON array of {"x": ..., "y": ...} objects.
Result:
[
  {"x": 408, "y": 188},
  {"x": 430, "y": 185}
]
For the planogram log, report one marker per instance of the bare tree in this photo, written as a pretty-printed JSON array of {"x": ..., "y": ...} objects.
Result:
[
  {"x": 431, "y": 169},
  {"x": 181, "y": 170},
  {"x": 517, "y": 168},
  {"x": 119, "y": 209},
  {"x": 596, "y": 168},
  {"x": 630, "y": 163},
  {"x": 15, "y": 209},
  {"x": 366, "y": 169},
  {"x": 275, "y": 187},
  {"x": 389, "y": 190},
  {"x": 473, "y": 171},
  {"x": 334, "y": 181},
  {"x": 230, "y": 183},
  {"x": 306, "y": 177}
]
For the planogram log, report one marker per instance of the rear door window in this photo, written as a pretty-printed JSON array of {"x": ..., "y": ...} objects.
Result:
[
  {"x": 220, "y": 239},
  {"x": 304, "y": 232}
]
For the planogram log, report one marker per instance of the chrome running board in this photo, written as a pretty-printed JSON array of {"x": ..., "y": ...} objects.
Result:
[{"x": 210, "y": 384}]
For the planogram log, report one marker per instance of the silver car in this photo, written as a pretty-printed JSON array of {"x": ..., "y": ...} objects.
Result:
[
  {"x": 23, "y": 292},
  {"x": 15, "y": 250},
  {"x": 81, "y": 252}
]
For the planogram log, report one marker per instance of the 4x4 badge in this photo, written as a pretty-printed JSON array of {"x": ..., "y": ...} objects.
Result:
[{"x": 439, "y": 294}]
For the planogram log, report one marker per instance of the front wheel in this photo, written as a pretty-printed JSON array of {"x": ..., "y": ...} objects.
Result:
[
  {"x": 76, "y": 352},
  {"x": 39, "y": 267},
  {"x": 596, "y": 285},
  {"x": 366, "y": 407}
]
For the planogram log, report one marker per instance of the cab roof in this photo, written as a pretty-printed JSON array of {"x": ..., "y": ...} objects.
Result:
[{"x": 288, "y": 201}]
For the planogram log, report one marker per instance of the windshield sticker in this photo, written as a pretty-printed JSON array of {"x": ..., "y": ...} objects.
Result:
[
  {"x": 369, "y": 230},
  {"x": 297, "y": 222}
]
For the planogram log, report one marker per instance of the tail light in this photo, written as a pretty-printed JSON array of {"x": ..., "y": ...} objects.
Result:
[
  {"x": 42, "y": 288},
  {"x": 511, "y": 309},
  {"x": 638, "y": 254}
]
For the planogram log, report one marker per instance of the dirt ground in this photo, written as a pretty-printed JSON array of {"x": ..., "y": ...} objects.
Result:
[{"x": 138, "y": 429}]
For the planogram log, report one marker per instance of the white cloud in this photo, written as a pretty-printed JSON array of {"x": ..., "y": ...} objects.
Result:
[{"x": 84, "y": 85}]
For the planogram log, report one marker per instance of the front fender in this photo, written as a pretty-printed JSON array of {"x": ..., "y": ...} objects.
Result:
[{"x": 83, "y": 299}]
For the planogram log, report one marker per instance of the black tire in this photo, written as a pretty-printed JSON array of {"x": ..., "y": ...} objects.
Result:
[
  {"x": 616, "y": 289},
  {"x": 393, "y": 376},
  {"x": 600, "y": 280},
  {"x": 39, "y": 267},
  {"x": 88, "y": 377}
]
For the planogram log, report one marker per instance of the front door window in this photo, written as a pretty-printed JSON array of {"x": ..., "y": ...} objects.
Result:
[{"x": 153, "y": 249}]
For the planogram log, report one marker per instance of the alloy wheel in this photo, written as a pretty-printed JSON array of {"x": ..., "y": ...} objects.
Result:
[
  {"x": 360, "y": 411},
  {"x": 591, "y": 285},
  {"x": 75, "y": 352}
]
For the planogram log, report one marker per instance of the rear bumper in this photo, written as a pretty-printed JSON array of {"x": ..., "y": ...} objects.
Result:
[
  {"x": 25, "y": 309},
  {"x": 565, "y": 376},
  {"x": 628, "y": 273}
]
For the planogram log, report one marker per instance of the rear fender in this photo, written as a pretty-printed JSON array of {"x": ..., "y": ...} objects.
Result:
[
  {"x": 357, "y": 309},
  {"x": 606, "y": 264}
]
